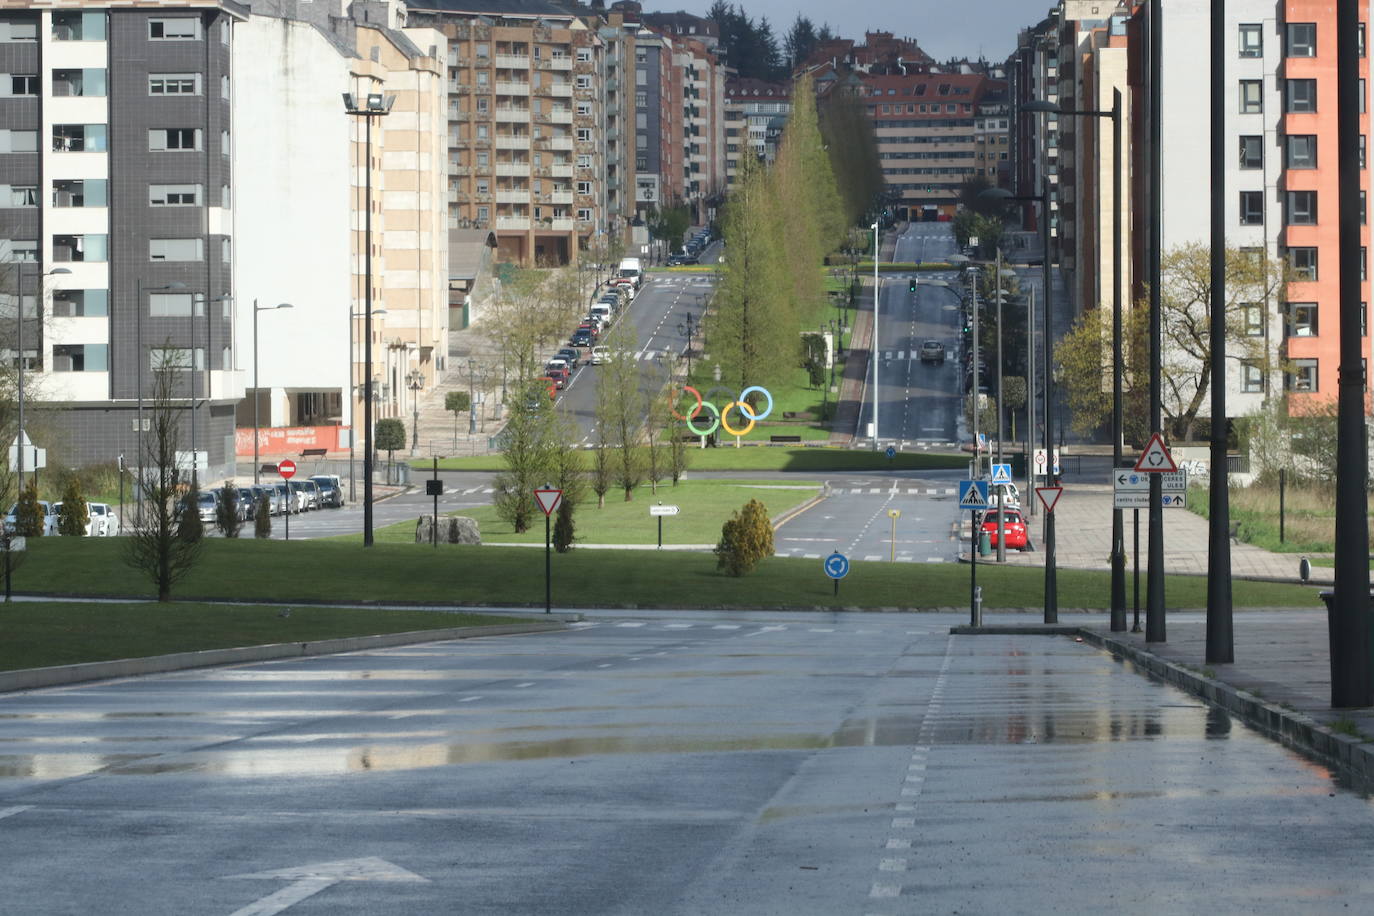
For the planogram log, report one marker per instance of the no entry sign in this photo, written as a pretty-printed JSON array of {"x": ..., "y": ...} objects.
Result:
[{"x": 287, "y": 468}]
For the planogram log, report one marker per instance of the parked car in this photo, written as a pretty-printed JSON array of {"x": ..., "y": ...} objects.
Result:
[
  {"x": 1015, "y": 525},
  {"x": 308, "y": 494},
  {"x": 600, "y": 311},
  {"x": 600, "y": 355},
  {"x": 331, "y": 490},
  {"x": 98, "y": 518},
  {"x": 999, "y": 493},
  {"x": 558, "y": 374},
  {"x": 570, "y": 355},
  {"x": 49, "y": 518},
  {"x": 932, "y": 351},
  {"x": 207, "y": 505},
  {"x": 240, "y": 505},
  {"x": 290, "y": 500},
  {"x": 583, "y": 337},
  {"x": 677, "y": 260}
]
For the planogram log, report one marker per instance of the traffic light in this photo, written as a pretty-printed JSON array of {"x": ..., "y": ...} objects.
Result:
[{"x": 912, "y": 287}]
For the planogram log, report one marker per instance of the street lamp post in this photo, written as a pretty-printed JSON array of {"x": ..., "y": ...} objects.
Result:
[
  {"x": 375, "y": 105},
  {"x": 19, "y": 348},
  {"x": 257, "y": 393},
  {"x": 1118, "y": 612},
  {"x": 688, "y": 330},
  {"x": 415, "y": 380},
  {"x": 472, "y": 398},
  {"x": 875, "y": 354}
]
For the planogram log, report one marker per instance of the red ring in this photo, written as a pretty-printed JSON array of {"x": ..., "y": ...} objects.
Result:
[{"x": 696, "y": 410}]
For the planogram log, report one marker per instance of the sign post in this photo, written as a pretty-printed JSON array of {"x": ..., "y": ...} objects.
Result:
[
  {"x": 893, "y": 514},
  {"x": 287, "y": 469},
  {"x": 973, "y": 495},
  {"x": 836, "y": 566},
  {"x": 435, "y": 487},
  {"x": 548, "y": 499},
  {"x": 658, "y": 512}
]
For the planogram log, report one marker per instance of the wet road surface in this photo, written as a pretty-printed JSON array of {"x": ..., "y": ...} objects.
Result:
[{"x": 668, "y": 763}]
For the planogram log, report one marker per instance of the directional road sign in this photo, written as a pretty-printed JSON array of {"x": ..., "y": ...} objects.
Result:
[
  {"x": 891, "y": 453},
  {"x": 663, "y": 510},
  {"x": 837, "y": 565},
  {"x": 1038, "y": 460},
  {"x": 973, "y": 494},
  {"x": 1001, "y": 473},
  {"x": 1177, "y": 482},
  {"x": 1140, "y": 499},
  {"x": 1156, "y": 457}
]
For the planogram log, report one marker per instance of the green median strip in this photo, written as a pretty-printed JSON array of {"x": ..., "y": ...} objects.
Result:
[
  {"x": 815, "y": 459},
  {"x": 44, "y": 634},
  {"x": 344, "y": 572}
]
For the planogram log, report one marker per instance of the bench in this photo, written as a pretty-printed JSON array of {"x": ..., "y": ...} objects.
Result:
[
  {"x": 784, "y": 438},
  {"x": 314, "y": 453}
]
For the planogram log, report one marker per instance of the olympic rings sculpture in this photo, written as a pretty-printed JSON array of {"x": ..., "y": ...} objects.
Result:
[{"x": 720, "y": 418}]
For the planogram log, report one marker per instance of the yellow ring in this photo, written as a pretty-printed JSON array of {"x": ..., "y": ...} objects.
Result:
[{"x": 744, "y": 409}]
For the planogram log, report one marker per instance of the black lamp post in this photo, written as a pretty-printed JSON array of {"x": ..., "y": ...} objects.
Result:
[
  {"x": 688, "y": 330},
  {"x": 415, "y": 380},
  {"x": 375, "y": 105}
]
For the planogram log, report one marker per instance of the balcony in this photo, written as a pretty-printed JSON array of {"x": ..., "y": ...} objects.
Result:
[
  {"x": 561, "y": 143},
  {"x": 513, "y": 61},
  {"x": 521, "y": 196},
  {"x": 561, "y": 197},
  {"x": 459, "y": 171},
  {"x": 561, "y": 116},
  {"x": 458, "y": 197},
  {"x": 612, "y": 85},
  {"x": 560, "y": 171},
  {"x": 556, "y": 90},
  {"x": 558, "y": 63},
  {"x": 455, "y": 115},
  {"x": 517, "y": 115},
  {"x": 513, "y": 222},
  {"x": 613, "y": 134},
  {"x": 521, "y": 141},
  {"x": 512, "y": 88},
  {"x": 513, "y": 169},
  {"x": 561, "y": 225}
]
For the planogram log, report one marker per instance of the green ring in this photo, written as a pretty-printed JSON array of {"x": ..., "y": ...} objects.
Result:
[{"x": 715, "y": 419}]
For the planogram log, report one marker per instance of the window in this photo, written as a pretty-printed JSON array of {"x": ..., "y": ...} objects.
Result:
[
  {"x": 18, "y": 141},
  {"x": 1252, "y": 208},
  {"x": 1251, "y": 97},
  {"x": 18, "y": 85},
  {"x": 482, "y": 77},
  {"x": 18, "y": 196},
  {"x": 174, "y": 358},
  {"x": 1301, "y": 320},
  {"x": 1359, "y": 39},
  {"x": 482, "y": 106},
  {"x": 584, "y": 161},
  {"x": 19, "y": 250},
  {"x": 173, "y": 138},
  {"x": 1251, "y": 376},
  {"x": 584, "y": 214},
  {"x": 80, "y": 247},
  {"x": 89, "y": 82},
  {"x": 1252, "y": 319},
  {"x": 174, "y": 195},
  {"x": 1302, "y": 39},
  {"x": 1300, "y": 96},
  {"x": 78, "y": 26},
  {"x": 1302, "y": 151},
  {"x": 182, "y": 28},
  {"x": 226, "y": 250},
  {"x": 483, "y": 214},
  {"x": 78, "y": 138},
  {"x": 1362, "y": 156},
  {"x": 1303, "y": 262},
  {"x": 80, "y": 192},
  {"x": 584, "y": 135},
  {"x": 583, "y": 82},
  {"x": 641, "y": 100},
  {"x": 641, "y": 163},
  {"x": 1300, "y": 208},
  {"x": 584, "y": 55},
  {"x": 18, "y": 28},
  {"x": 80, "y": 303},
  {"x": 80, "y": 357},
  {"x": 584, "y": 108},
  {"x": 176, "y": 249},
  {"x": 1252, "y": 152},
  {"x": 584, "y": 187},
  {"x": 1303, "y": 376},
  {"x": 1251, "y": 40},
  {"x": 174, "y": 84},
  {"x": 175, "y": 305}
]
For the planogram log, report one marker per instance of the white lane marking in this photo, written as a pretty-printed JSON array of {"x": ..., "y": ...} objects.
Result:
[
  {"x": 811, "y": 556},
  {"x": 871, "y": 558},
  {"x": 822, "y": 630},
  {"x": 898, "y": 843},
  {"x": 526, "y": 684},
  {"x": 726, "y": 626},
  {"x": 17, "y": 809},
  {"x": 308, "y": 880},
  {"x": 892, "y": 865},
  {"x": 762, "y": 630},
  {"x": 875, "y": 489},
  {"x": 629, "y": 624},
  {"x": 604, "y": 666},
  {"x": 885, "y": 890},
  {"x": 911, "y": 793},
  {"x": 582, "y": 625},
  {"x": 677, "y": 626},
  {"x": 471, "y": 490},
  {"x": 903, "y": 823},
  {"x": 488, "y": 491},
  {"x": 473, "y": 699}
]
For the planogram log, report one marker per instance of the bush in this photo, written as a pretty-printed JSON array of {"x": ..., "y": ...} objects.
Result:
[
  {"x": 190, "y": 529},
  {"x": 745, "y": 540},
  {"x": 563, "y": 529},
  {"x": 227, "y": 513},
  {"x": 262, "y": 518},
  {"x": 28, "y": 516},
  {"x": 73, "y": 518}
]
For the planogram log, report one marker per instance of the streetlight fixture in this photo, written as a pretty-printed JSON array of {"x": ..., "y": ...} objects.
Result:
[
  {"x": 20, "y": 442},
  {"x": 415, "y": 380},
  {"x": 374, "y": 105},
  {"x": 257, "y": 392},
  {"x": 688, "y": 330},
  {"x": 1118, "y": 613}
]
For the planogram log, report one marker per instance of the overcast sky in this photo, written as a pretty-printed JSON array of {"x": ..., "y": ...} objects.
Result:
[{"x": 943, "y": 28}]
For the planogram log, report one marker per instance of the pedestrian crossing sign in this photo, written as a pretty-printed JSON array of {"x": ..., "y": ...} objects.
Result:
[
  {"x": 973, "y": 494},
  {"x": 1001, "y": 473}
]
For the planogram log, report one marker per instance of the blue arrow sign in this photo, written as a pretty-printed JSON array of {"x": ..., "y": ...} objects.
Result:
[
  {"x": 837, "y": 565},
  {"x": 891, "y": 453},
  {"x": 973, "y": 494},
  {"x": 1001, "y": 473}
]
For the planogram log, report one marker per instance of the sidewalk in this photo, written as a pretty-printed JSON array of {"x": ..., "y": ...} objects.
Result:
[
  {"x": 850, "y": 398},
  {"x": 1083, "y": 538}
]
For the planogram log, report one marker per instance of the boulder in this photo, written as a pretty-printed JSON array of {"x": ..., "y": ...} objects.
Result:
[{"x": 452, "y": 530}]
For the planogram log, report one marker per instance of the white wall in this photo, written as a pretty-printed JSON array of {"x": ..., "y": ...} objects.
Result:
[{"x": 291, "y": 208}]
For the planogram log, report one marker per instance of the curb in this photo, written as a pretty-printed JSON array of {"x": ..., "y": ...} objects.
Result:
[
  {"x": 792, "y": 513},
  {"x": 59, "y": 675},
  {"x": 1346, "y": 754}
]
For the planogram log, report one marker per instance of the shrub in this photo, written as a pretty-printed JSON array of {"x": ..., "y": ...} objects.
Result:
[
  {"x": 73, "y": 517},
  {"x": 262, "y": 518},
  {"x": 745, "y": 540},
  {"x": 190, "y": 529},
  {"x": 227, "y": 513},
  {"x": 563, "y": 529},
  {"x": 28, "y": 515}
]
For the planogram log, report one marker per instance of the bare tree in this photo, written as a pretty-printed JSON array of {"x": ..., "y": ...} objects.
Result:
[{"x": 154, "y": 546}]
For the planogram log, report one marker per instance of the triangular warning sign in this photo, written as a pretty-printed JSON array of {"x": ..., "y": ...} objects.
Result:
[
  {"x": 1048, "y": 497},
  {"x": 1156, "y": 458},
  {"x": 548, "y": 500}
]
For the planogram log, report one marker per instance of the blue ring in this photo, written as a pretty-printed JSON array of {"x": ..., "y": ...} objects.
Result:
[{"x": 763, "y": 391}]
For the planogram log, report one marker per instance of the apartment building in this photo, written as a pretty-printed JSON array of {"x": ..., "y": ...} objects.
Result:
[
  {"x": 929, "y": 136},
  {"x": 756, "y": 113},
  {"x": 703, "y": 125},
  {"x": 1033, "y": 76},
  {"x": 116, "y": 177},
  {"x": 659, "y": 175},
  {"x": 526, "y": 141}
]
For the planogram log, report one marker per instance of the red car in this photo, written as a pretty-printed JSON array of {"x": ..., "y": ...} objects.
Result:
[
  {"x": 558, "y": 374},
  {"x": 1017, "y": 536}
]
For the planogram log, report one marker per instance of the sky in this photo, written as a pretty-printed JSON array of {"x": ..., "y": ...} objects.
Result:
[{"x": 943, "y": 28}]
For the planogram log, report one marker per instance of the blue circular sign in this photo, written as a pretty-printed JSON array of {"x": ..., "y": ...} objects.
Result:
[
  {"x": 837, "y": 565},
  {"x": 891, "y": 453}
]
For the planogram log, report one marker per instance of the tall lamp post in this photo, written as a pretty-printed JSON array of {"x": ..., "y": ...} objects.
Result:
[
  {"x": 688, "y": 330},
  {"x": 472, "y": 398},
  {"x": 876, "y": 296},
  {"x": 1118, "y": 613},
  {"x": 353, "y": 397},
  {"x": 257, "y": 393},
  {"x": 19, "y": 348},
  {"x": 1051, "y": 572},
  {"x": 415, "y": 381},
  {"x": 374, "y": 105}
]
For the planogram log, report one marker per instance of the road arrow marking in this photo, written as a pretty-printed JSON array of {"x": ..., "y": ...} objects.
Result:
[
  {"x": 309, "y": 880},
  {"x": 10, "y": 812}
]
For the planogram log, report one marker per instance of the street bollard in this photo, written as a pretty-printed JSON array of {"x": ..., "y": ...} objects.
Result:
[
  {"x": 1304, "y": 569},
  {"x": 978, "y": 606}
]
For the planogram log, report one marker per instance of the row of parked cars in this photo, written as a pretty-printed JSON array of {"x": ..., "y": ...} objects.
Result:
[
  {"x": 322, "y": 491},
  {"x": 691, "y": 252},
  {"x": 102, "y": 521},
  {"x": 582, "y": 345}
]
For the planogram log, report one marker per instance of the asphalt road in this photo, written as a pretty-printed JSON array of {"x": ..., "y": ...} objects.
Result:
[{"x": 670, "y": 763}]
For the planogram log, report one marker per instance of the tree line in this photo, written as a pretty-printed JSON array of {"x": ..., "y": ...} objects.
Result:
[{"x": 752, "y": 48}]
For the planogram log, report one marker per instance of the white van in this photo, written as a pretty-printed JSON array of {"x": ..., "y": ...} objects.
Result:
[
  {"x": 630, "y": 269},
  {"x": 601, "y": 311}
]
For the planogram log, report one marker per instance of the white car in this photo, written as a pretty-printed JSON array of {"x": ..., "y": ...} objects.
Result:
[
  {"x": 600, "y": 355},
  {"x": 101, "y": 520},
  {"x": 49, "y": 518}
]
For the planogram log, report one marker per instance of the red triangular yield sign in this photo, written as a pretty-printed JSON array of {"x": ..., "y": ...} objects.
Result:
[
  {"x": 1048, "y": 497},
  {"x": 548, "y": 500},
  {"x": 1156, "y": 458}
]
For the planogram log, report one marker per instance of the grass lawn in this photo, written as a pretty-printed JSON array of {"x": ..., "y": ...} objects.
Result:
[
  {"x": 339, "y": 571},
  {"x": 1309, "y": 517},
  {"x": 704, "y": 505},
  {"x": 37, "y": 635},
  {"x": 809, "y": 460}
]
